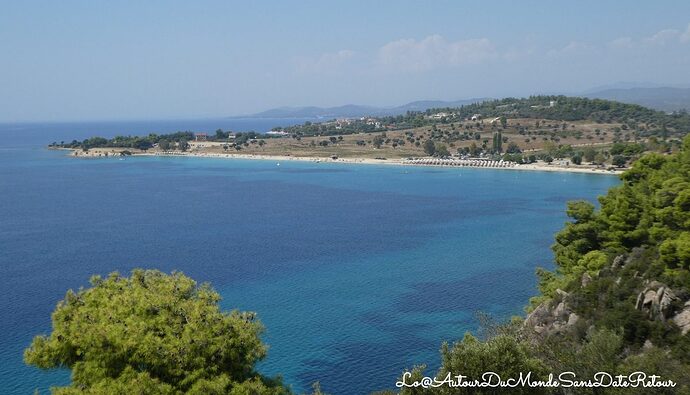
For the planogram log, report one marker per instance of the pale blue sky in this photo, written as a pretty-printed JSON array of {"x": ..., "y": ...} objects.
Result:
[{"x": 85, "y": 60}]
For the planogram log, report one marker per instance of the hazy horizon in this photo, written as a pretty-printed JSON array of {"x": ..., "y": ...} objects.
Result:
[{"x": 92, "y": 61}]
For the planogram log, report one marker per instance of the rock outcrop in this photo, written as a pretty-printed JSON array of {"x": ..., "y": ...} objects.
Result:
[
  {"x": 586, "y": 279},
  {"x": 618, "y": 262},
  {"x": 552, "y": 317},
  {"x": 656, "y": 299},
  {"x": 682, "y": 319}
]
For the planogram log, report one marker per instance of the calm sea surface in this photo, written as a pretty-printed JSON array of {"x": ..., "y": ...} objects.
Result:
[{"x": 356, "y": 271}]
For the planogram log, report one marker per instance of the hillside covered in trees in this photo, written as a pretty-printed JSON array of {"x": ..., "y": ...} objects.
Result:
[
  {"x": 618, "y": 300},
  {"x": 555, "y": 108}
]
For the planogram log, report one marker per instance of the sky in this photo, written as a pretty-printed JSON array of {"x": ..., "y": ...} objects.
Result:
[{"x": 117, "y": 60}]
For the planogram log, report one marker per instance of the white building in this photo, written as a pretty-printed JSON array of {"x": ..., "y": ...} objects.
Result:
[
  {"x": 278, "y": 133},
  {"x": 440, "y": 115}
]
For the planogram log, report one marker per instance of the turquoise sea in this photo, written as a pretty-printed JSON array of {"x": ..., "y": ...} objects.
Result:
[{"x": 357, "y": 271}]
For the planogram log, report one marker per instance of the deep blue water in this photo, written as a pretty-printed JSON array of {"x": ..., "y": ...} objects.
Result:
[{"x": 356, "y": 271}]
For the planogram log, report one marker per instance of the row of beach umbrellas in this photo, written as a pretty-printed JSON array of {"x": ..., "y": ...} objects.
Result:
[{"x": 459, "y": 162}]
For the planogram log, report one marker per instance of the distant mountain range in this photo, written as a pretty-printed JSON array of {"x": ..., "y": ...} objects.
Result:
[
  {"x": 353, "y": 110},
  {"x": 659, "y": 98}
]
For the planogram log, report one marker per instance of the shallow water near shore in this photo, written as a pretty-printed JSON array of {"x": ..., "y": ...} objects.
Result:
[{"x": 357, "y": 271}]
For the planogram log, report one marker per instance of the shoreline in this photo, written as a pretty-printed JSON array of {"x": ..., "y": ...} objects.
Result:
[{"x": 365, "y": 161}]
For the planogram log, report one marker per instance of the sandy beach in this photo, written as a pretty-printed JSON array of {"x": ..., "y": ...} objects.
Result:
[{"x": 538, "y": 166}]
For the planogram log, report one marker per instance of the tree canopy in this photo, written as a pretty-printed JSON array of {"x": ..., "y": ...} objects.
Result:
[{"x": 152, "y": 333}]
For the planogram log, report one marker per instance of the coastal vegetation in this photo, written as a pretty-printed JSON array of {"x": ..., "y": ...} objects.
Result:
[
  {"x": 566, "y": 130},
  {"x": 618, "y": 300},
  {"x": 137, "y": 142}
]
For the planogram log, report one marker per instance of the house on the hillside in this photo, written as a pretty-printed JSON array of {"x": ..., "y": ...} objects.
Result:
[{"x": 439, "y": 115}]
